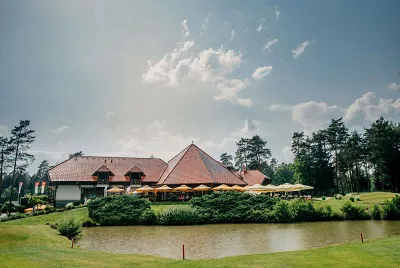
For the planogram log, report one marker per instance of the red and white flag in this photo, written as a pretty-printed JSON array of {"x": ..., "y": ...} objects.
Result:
[
  {"x": 43, "y": 185},
  {"x": 36, "y": 187},
  {"x": 20, "y": 186}
]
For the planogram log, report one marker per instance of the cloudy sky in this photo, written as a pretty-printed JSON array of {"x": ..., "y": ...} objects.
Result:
[{"x": 135, "y": 78}]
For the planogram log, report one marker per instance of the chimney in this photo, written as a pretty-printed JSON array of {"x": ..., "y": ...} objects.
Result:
[{"x": 244, "y": 168}]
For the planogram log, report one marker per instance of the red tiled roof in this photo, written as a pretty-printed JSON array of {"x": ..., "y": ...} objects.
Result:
[
  {"x": 252, "y": 177},
  {"x": 81, "y": 168},
  {"x": 194, "y": 166},
  {"x": 135, "y": 169},
  {"x": 103, "y": 168}
]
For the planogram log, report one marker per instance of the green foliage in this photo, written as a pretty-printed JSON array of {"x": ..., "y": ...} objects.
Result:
[
  {"x": 149, "y": 217},
  {"x": 70, "y": 227},
  {"x": 376, "y": 212},
  {"x": 351, "y": 198},
  {"x": 69, "y": 206},
  {"x": 391, "y": 209},
  {"x": 180, "y": 215},
  {"x": 88, "y": 223},
  {"x": 339, "y": 196},
  {"x": 8, "y": 207},
  {"x": 352, "y": 212},
  {"x": 323, "y": 197},
  {"x": 118, "y": 210},
  {"x": 76, "y": 203},
  {"x": 281, "y": 212},
  {"x": 49, "y": 209},
  {"x": 21, "y": 209},
  {"x": 357, "y": 198}
]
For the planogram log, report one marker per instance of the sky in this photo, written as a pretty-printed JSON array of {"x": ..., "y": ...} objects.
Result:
[{"x": 142, "y": 78}]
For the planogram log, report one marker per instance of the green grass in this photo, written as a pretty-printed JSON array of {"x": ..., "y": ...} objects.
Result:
[{"x": 367, "y": 200}]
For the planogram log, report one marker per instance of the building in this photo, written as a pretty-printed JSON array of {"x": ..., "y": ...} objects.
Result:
[{"x": 89, "y": 176}]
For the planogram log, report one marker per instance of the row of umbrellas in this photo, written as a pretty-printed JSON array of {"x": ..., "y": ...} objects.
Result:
[{"x": 286, "y": 187}]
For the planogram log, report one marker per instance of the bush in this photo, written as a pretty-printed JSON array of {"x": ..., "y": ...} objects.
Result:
[
  {"x": 180, "y": 215},
  {"x": 357, "y": 198},
  {"x": 281, "y": 212},
  {"x": 76, "y": 203},
  {"x": 351, "y": 198},
  {"x": 118, "y": 210},
  {"x": 88, "y": 223},
  {"x": 351, "y": 212},
  {"x": 376, "y": 212},
  {"x": 149, "y": 217},
  {"x": 391, "y": 209},
  {"x": 302, "y": 210},
  {"x": 69, "y": 206},
  {"x": 87, "y": 201},
  {"x": 70, "y": 227},
  {"x": 16, "y": 216},
  {"x": 8, "y": 207},
  {"x": 339, "y": 196},
  {"x": 323, "y": 198},
  {"x": 21, "y": 209},
  {"x": 49, "y": 209}
]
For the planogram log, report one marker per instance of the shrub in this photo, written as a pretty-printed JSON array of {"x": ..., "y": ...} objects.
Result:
[
  {"x": 351, "y": 212},
  {"x": 357, "y": 198},
  {"x": 118, "y": 210},
  {"x": 49, "y": 209},
  {"x": 70, "y": 227},
  {"x": 60, "y": 209},
  {"x": 149, "y": 217},
  {"x": 8, "y": 207},
  {"x": 87, "y": 201},
  {"x": 88, "y": 223},
  {"x": 180, "y": 215},
  {"x": 76, "y": 203},
  {"x": 38, "y": 212},
  {"x": 302, "y": 210},
  {"x": 351, "y": 198},
  {"x": 281, "y": 212},
  {"x": 339, "y": 196},
  {"x": 21, "y": 209},
  {"x": 324, "y": 198},
  {"x": 324, "y": 213},
  {"x": 16, "y": 216},
  {"x": 391, "y": 209},
  {"x": 69, "y": 206},
  {"x": 376, "y": 212}
]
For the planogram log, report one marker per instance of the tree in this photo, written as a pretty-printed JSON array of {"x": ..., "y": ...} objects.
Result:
[
  {"x": 20, "y": 141},
  {"x": 75, "y": 154},
  {"x": 242, "y": 152},
  {"x": 298, "y": 143},
  {"x": 4, "y": 154},
  {"x": 258, "y": 153},
  {"x": 284, "y": 173},
  {"x": 226, "y": 159}
]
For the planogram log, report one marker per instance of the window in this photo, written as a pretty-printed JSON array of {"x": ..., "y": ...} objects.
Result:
[
  {"x": 102, "y": 178},
  {"x": 135, "y": 178}
]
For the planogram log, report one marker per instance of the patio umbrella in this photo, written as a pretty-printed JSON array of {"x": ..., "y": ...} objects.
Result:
[
  {"x": 115, "y": 189},
  {"x": 201, "y": 188},
  {"x": 144, "y": 189},
  {"x": 163, "y": 189},
  {"x": 256, "y": 188},
  {"x": 286, "y": 187},
  {"x": 183, "y": 188},
  {"x": 222, "y": 187},
  {"x": 238, "y": 188},
  {"x": 300, "y": 187}
]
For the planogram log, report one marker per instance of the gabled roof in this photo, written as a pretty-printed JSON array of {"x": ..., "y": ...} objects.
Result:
[
  {"x": 194, "y": 166},
  {"x": 103, "y": 168},
  {"x": 135, "y": 169},
  {"x": 81, "y": 168},
  {"x": 252, "y": 177}
]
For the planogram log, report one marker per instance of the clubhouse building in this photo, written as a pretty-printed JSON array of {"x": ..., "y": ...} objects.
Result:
[{"x": 89, "y": 176}]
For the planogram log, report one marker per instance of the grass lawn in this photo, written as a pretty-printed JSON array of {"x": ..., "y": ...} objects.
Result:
[{"x": 367, "y": 200}]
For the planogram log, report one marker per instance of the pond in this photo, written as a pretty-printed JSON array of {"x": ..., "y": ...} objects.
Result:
[{"x": 221, "y": 240}]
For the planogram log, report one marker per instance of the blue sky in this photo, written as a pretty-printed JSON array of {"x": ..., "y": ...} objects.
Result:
[{"x": 135, "y": 78}]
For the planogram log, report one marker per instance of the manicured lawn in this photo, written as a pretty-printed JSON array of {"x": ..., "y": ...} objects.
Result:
[{"x": 367, "y": 200}]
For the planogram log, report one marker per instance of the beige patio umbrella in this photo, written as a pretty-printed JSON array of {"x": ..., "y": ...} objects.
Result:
[
  {"x": 300, "y": 187},
  {"x": 182, "y": 188},
  {"x": 222, "y": 187},
  {"x": 144, "y": 189},
  {"x": 201, "y": 188},
  {"x": 115, "y": 190},
  {"x": 286, "y": 187},
  {"x": 256, "y": 188},
  {"x": 238, "y": 188},
  {"x": 163, "y": 189}
]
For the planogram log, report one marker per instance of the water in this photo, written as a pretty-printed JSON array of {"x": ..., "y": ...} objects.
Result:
[{"x": 221, "y": 240}]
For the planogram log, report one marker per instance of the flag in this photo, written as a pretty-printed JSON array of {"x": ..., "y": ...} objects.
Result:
[
  {"x": 43, "y": 185},
  {"x": 36, "y": 187},
  {"x": 20, "y": 186}
]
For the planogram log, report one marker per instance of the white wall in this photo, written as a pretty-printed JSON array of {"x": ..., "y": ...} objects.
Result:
[{"x": 68, "y": 192}]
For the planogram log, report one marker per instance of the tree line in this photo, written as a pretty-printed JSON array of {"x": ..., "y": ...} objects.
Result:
[{"x": 332, "y": 160}]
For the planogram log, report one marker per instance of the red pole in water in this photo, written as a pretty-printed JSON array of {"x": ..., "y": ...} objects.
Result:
[
  {"x": 362, "y": 239},
  {"x": 183, "y": 252}
]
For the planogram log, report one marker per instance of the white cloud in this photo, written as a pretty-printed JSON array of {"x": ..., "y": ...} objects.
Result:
[
  {"x": 261, "y": 26},
  {"x": 228, "y": 90},
  {"x": 60, "y": 129},
  {"x": 54, "y": 157},
  {"x": 232, "y": 36},
  {"x": 316, "y": 115},
  {"x": 394, "y": 86},
  {"x": 110, "y": 114},
  {"x": 260, "y": 72},
  {"x": 185, "y": 28},
  {"x": 204, "y": 26},
  {"x": 287, "y": 154},
  {"x": 269, "y": 44},
  {"x": 157, "y": 125},
  {"x": 210, "y": 66},
  {"x": 300, "y": 49},
  {"x": 251, "y": 127},
  {"x": 3, "y": 131},
  {"x": 277, "y": 13}
]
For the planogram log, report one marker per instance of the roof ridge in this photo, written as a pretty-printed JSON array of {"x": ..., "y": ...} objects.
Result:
[
  {"x": 187, "y": 148},
  {"x": 131, "y": 157},
  {"x": 204, "y": 164}
]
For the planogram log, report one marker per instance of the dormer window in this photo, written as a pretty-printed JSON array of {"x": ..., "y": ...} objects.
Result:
[
  {"x": 135, "y": 174},
  {"x": 103, "y": 174}
]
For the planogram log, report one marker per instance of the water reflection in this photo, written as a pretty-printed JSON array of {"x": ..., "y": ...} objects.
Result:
[{"x": 216, "y": 241}]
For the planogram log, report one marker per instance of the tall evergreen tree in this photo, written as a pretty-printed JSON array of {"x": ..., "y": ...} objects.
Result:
[
  {"x": 20, "y": 141},
  {"x": 4, "y": 157},
  {"x": 75, "y": 154},
  {"x": 258, "y": 152},
  {"x": 226, "y": 159}
]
